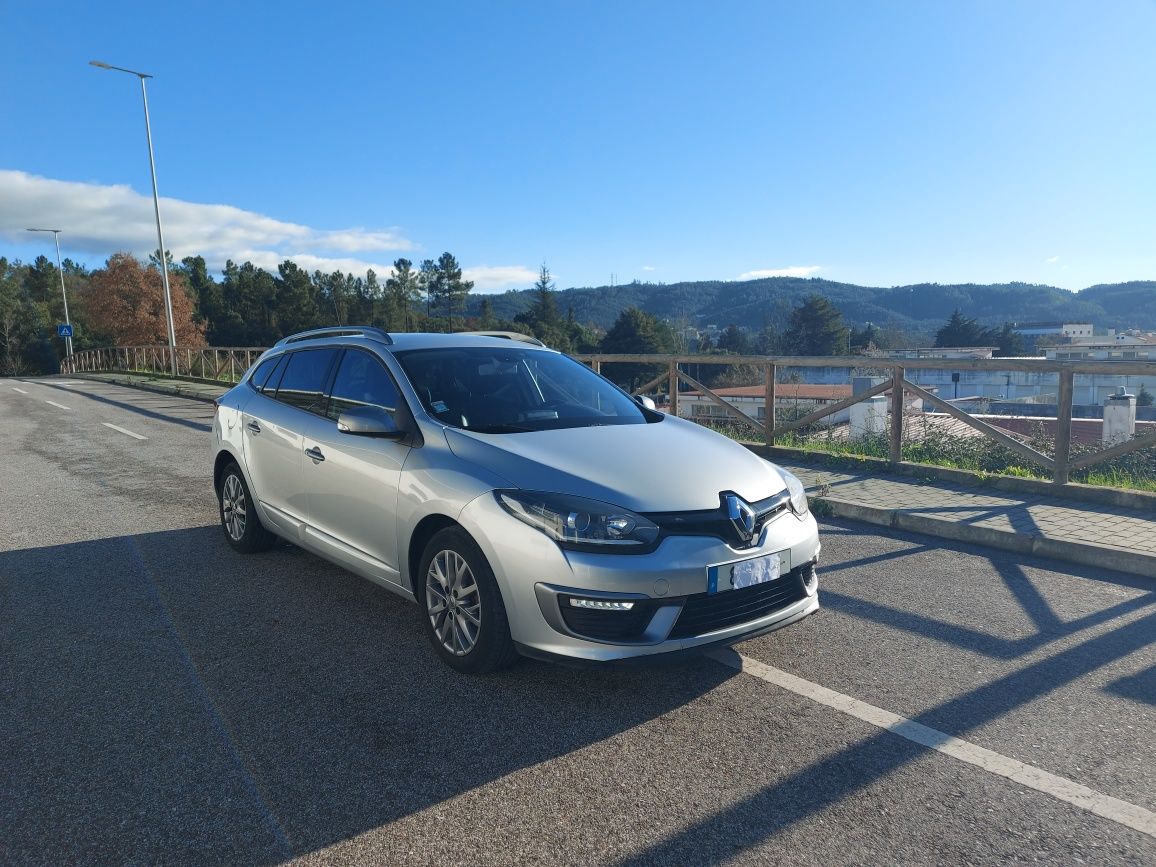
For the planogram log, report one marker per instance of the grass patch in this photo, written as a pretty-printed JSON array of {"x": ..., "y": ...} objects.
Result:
[{"x": 977, "y": 454}]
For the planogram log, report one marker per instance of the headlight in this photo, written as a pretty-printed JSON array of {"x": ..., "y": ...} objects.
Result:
[
  {"x": 798, "y": 493},
  {"x": 580, "y": 524}
]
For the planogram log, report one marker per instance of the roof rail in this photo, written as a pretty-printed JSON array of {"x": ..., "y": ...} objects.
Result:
[
  {"x": 507, "y": 335},
  {"x": 366, "y": 331}
]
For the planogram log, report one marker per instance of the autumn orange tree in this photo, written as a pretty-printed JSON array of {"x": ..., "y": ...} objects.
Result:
[{"x": 125, "y": 304}]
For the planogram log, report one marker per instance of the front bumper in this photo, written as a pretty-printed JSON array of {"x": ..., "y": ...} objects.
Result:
[{"x": 672, "y": 610}]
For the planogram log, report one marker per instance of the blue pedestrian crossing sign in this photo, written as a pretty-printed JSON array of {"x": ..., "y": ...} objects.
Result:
[{"x": 63, "y": 330}]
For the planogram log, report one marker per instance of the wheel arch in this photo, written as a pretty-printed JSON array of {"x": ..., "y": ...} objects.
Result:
[
  {"x": 426, "y": 529},
  {"x": 223, "y": 459}
]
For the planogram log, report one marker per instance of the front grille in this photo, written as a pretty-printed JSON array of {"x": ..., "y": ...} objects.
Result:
[
  {"x": 607, "y": 625},
  {"x": 710, "y": 612},
  {"x": 715, "y": 522}
]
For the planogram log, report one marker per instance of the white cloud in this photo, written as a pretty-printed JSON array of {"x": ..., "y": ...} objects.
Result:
[
  {"x": 103, "y": 219},
  {"x": 1052, "y": 260},
  {"x": 649, "y": 268},
  {"x": 495, "y": 277},
  {"x": 792, "y": 271}
]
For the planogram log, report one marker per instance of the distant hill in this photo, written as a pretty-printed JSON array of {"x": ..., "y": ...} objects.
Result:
[{"x": 918, "y": 309}]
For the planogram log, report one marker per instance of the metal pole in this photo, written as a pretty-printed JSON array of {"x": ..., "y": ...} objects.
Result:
[
  {"x": 63, "y": 293},
  {"x": 160, "y": 233},
  {"x": 156, "y": 208}
]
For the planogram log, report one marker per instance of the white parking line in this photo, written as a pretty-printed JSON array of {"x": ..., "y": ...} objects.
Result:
[
  {"x": 22, "y": 391},
  {"x": 60, "y": 405},
  {"x": 1026, "y": 775},
  {"x": 124, "y": 430}
]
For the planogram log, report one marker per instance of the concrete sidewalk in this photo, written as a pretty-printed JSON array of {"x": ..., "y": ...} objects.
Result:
[
  {"x": 1028, "y": 521},
  {"x": 1093, "y": 534}
]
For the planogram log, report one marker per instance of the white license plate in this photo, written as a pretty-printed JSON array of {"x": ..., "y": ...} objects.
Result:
[{"x": 747, "y": 573}]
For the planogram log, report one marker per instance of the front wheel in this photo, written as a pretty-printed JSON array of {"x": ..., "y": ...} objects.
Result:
[
  {"x": 239, "y": 520},
  {"x": 465, "y": 617}
]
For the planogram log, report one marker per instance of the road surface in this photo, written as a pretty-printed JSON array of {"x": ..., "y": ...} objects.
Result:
[{"x": 164, "y": 699}]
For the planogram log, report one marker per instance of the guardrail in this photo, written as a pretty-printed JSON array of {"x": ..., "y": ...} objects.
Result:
[{"x": 227, "y": 364}]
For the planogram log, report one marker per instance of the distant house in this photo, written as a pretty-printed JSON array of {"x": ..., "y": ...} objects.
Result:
[
  {"x": 1127, "y": 346},
  {"x": 952, "y": 352}
]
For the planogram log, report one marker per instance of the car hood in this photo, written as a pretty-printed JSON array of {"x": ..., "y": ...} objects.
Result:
[{"x": 668, "y": 466}]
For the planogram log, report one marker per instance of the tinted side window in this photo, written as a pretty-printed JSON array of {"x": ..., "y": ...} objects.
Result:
[
  {"x": 362, "y": 380},
  {"x": 270, "y": 385},
  {"x": 303, "y": 383},
  {"x": 257, "y": 380}
]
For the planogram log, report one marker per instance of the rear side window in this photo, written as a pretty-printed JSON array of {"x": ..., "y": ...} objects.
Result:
[
  {"x": 261, "y": 374},
  {"x": 361, "y": 381},
  {"x": 306, "y": 375},
  {"x": 270, "y": 386}
]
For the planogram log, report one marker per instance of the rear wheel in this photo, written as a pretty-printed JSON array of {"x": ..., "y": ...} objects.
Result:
[
  {"x": 465, "y": 617},
  {"x": 239, "y": 520}
]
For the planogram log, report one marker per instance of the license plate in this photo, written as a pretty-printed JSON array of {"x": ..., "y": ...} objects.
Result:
[{"x": 747, "y": 573}]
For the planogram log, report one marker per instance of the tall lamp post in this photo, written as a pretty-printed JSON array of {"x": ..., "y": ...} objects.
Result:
[
  {"x": 156, "y": 207},
  {"x": 63, "y": 294}
]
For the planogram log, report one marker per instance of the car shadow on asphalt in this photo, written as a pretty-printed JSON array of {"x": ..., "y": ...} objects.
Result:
[
  {"x": 166, "y": 699},
  {"x": 132, "y": 407}
]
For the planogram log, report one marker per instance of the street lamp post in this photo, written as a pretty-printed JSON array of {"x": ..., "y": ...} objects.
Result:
[
  {"x": 63, "y": 294},
  {"x": 156, "y": 208}
]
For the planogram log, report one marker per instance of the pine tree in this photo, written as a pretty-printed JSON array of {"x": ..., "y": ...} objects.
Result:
[{"x": 816, "y": 328}]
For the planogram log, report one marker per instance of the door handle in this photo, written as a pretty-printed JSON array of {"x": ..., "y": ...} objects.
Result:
[
  {"x": 315, "y": 454},
  {"x": 253, "y": 427}
]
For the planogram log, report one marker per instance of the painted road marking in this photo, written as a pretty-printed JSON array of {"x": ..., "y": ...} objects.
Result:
[
  {"x": 54, "y": 403},
  {"x": 124, "y": 430},
  {"x": 1026, "y": 775},
  {"x": 22, "y": 391}
]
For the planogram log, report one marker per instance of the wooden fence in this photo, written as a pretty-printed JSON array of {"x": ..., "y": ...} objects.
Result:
[{"x": 227, "y": 364}]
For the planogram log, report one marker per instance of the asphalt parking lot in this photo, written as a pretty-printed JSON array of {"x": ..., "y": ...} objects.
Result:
[{"x": 163, "y": 699}]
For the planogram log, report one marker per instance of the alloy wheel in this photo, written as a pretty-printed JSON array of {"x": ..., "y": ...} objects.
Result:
[
  {"x": 233, "y": 507},
  {"x": 453, "y": 602}
]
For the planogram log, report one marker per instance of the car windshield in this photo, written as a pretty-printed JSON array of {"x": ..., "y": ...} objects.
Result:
[{"x": 514, "y": 390}]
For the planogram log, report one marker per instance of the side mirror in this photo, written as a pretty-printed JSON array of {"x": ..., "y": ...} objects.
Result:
[
  {"x": 369, "y": 421},
  {"x": 643, "y": 400}
]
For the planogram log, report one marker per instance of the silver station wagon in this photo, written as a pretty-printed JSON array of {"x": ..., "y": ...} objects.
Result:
[{"x": 527, "y": 504}]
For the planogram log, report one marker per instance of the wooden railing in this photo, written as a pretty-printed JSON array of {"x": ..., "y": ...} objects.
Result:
[
  {"x": 227, "y": 364},
  {"x": 1060, "y": 465},
  {"x": 220, "y": 364}
]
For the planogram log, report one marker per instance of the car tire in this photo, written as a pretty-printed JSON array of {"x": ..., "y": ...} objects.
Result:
[
  {"x": 243, "y": 528},
  {"x": 462, "y": 608}
]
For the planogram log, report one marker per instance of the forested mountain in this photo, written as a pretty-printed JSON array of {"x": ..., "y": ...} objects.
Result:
[{"x": 915, "y": 310}]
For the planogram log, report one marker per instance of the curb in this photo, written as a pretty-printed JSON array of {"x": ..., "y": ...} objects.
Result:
[
  {"x": 173, "y": 391},
  {"x": 1104, "y": 496},
  {"x": 1082, "y": 553}
]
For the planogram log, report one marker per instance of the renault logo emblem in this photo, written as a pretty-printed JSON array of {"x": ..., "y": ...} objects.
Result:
[{"x": 741, "y": 515}]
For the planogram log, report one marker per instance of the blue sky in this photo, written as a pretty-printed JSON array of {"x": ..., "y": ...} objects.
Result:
[{"x": 880, "y": 143}]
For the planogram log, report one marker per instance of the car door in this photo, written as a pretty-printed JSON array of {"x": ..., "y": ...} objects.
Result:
[
  {"x": 353, "y": 481},
  {"x": 272, "y": 424}
]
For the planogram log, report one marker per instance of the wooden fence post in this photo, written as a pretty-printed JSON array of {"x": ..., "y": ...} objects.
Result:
[
  {"x": 769, "y": 398},
  {"x": 897, "y": 414},
  {"x": 1063, "y": 427},
  {"x": 673, "y": 387}
]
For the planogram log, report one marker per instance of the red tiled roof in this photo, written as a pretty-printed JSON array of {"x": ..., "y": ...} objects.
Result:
[{"x": 800, "y": 390}]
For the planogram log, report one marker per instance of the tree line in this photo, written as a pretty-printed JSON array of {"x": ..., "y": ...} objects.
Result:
[{"x": 121, "y": 304}]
